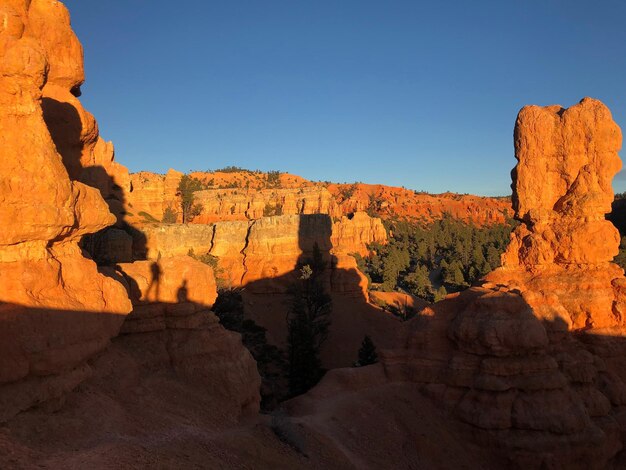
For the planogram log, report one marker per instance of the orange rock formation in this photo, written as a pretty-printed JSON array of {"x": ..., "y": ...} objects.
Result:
[
  {"x": 59, "y": 183},
  {"x": 171, "y": 301},
  {"x": 267, "y": 248},
  {"x": 45, "y": 282},
  {"x": 253, "y": 197},
  {"x": 528, "y": 356},
  {"x": 562, "y": 252}
]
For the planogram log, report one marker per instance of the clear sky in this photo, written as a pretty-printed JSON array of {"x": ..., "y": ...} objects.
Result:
[{"x": 400, "y": 92}]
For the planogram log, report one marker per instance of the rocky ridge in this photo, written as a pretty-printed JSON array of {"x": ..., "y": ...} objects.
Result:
[
  {"x": 248, "y": 195},
  {"x": 264, "y": 250}
]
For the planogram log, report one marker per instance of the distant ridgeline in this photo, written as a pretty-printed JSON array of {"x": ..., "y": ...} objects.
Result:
[{"x": 233, "y": 193}]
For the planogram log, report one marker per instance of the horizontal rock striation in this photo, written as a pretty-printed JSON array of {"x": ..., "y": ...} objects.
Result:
[
  {"x": 253, "y": 197},
  {"x": 265, "y": 250}
]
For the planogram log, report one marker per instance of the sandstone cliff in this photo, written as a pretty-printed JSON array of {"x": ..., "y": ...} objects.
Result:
[
  {"x": 59, "y": 184},
  {"x": 46, "y": 285},
  {"x": 247, "y": 196},
  {"x": 171, "y": 299},
  {"x": 265, "y": 250}
]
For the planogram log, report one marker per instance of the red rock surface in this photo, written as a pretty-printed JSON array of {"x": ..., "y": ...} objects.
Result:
[
  {"x": 528, "y": 357},
  {"x": 171, "y": 299},
  {"x": 567, "y": 159},
  {"x": 56, "y": 309},
  {"x": 253, "y": 197},
  {"x": 268, "y": 248},
  {"x": 391, "y": 202}
]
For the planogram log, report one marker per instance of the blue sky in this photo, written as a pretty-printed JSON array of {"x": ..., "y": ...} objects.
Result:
[{"x": 406, "y": 93}]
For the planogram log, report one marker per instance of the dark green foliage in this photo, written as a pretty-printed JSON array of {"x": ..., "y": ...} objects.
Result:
[
  {"x": 209, "y": 260},
  {"x": 374, "y": 206},
  {"x": 617, "y": 216},
  {"x": 367, "y": 353},
  {"x": 147, "y": 217},
  {"x": 430, "y": 260},
  {"x": 234, "y": 169},
  {"x": 348, "y": 191},
  {"x": 206, "y": 258},
  {"x": 186, "y": 187},
  {"x": 308, "y": 321},
  {"x": 169, "y": 216},
  {"x": 270, "y": 361},
  {"x": 270, "y": 210},
  {"x": 273, "y": 179},
  {"x": 620, "y": 259}
]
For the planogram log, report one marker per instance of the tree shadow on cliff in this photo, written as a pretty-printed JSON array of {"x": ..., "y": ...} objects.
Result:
[{"x": 122, "y": 242}]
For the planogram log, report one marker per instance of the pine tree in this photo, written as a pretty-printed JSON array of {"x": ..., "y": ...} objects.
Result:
[
  {"x": 186, "y": 187},
  {"x": 367, "y": 353},
  {"x": 307, "y": 326}
]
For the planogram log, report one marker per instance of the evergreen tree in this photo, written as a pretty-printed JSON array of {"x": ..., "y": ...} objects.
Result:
[
  {"x": 367, "y": 353},
  {"x": 186, "y": 187},
  {"x": 169, "y": 216},
  {"x": 307, "y": 326}
]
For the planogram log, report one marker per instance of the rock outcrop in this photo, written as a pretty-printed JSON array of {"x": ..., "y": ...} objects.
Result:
[
  {"x": 264, "y": 250},
  {"x": 56, "y": 309},
  {"x": 527, "y": 356},
  {"x": 151, "y": 194},
  {"x": 389, "y": 202},
  {"x": 249, "y": 195},
  {"x": 562, "y": 252},
  {"x": 171, "y": 299}
]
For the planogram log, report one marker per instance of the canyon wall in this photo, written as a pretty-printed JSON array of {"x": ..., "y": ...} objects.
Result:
[
  {"x": 264, "y": 250},
  {"x": 61, "y": 191},
  {"x": 247, "y": 196}
]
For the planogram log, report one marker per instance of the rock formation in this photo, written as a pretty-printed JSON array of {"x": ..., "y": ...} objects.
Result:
[
  {"x": 390, "y": 202},
  {"x": 171, "y": 299},
  {"x": 248, "y": 196},
  {"x": 59, "y": 183},
  {"x": 267, "y": 248},
  {"x": 527, "y": 356},
  {"x": 46, "y": 285},
  {"x": 561, "y": 254},
  {"x": 151, "y": 194}
]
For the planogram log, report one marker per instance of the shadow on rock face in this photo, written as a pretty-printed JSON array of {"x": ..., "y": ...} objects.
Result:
[{"x": 122, "y": 243}]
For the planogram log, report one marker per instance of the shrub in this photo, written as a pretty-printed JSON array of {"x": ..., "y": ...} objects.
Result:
[
  {"x": 147, "y": 217},
  {"x": 169, "y": 216},
  {"x": 367, "y": 353}
]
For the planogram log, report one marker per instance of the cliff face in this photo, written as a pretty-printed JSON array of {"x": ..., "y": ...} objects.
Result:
[
  {"x": 263, "y": 251},
  {"x": 45, "y": 282},
  {"x": 248, "y": 196},
  {"x": 171, "y": 299},
  {"x": 59, "y": 184},
  {"x": 391, "y": 202},
  {"x": 152, "y": 194}
]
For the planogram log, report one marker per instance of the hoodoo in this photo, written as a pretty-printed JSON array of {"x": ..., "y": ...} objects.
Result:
[{"x": 528, "y": 357}]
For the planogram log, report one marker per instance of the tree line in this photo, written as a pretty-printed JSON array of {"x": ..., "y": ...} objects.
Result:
[{"x": 432, "y": 260}]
